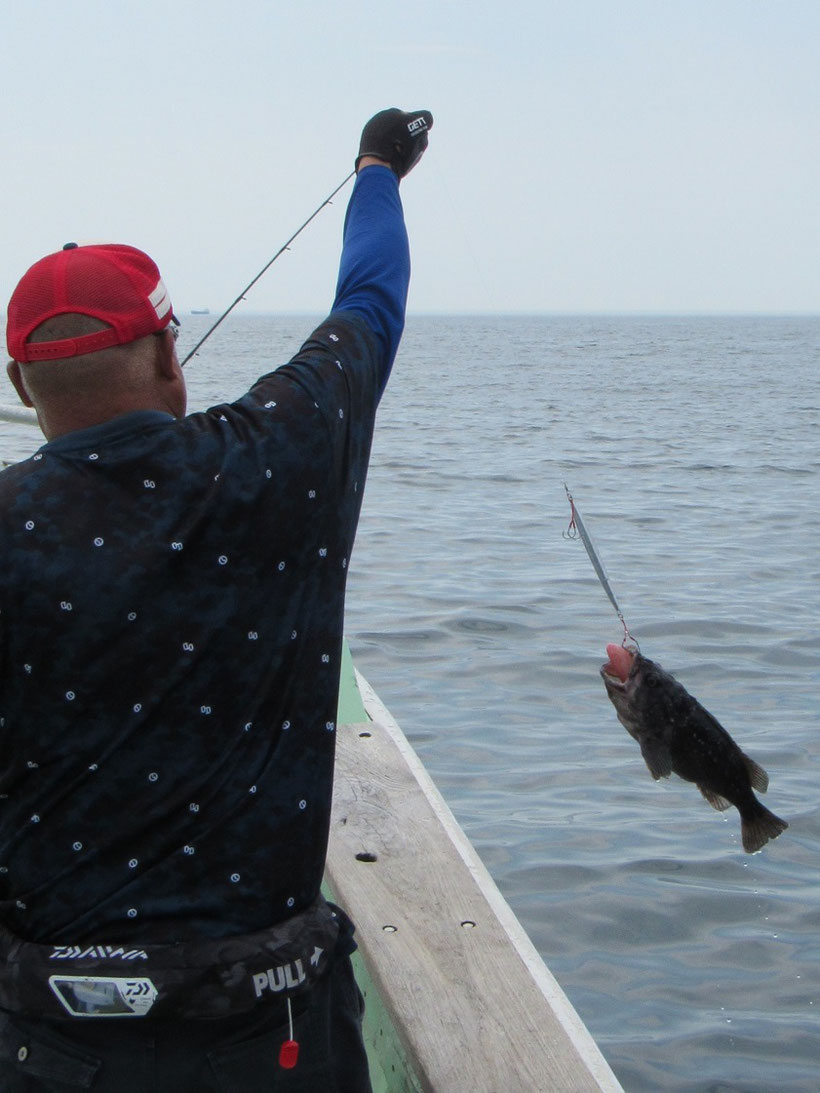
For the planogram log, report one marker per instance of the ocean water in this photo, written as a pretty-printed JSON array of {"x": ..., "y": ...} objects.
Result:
[{"x": 691, "y": 448}]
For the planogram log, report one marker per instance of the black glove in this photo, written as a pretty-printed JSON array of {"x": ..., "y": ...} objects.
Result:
[{"x": 396, "y": 137}]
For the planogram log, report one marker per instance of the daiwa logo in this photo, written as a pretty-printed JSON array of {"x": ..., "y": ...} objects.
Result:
[
  {"x": 103, "y": 995},
  {"x": 96, "y": 952},
  {"x": 417, "y": 125}
]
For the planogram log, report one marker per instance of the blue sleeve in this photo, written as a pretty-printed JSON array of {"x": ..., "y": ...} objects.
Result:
[{"x": 374, "y": 271}]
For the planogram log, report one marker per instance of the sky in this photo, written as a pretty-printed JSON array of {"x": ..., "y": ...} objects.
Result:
[{"x": 652, "y": 156}]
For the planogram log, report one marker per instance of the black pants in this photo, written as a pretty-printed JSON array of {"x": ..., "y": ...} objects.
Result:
[{"x": 232, "y": 1055}]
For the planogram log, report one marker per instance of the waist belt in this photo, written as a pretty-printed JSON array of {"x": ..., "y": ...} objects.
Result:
[{"x": 203, "y": 979}]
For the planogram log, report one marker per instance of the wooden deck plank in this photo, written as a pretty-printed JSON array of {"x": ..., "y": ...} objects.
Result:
[{"x": 468, "y": 994}]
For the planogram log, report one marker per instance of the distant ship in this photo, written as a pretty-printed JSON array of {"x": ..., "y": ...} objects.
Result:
[{"x": 200, "y": 311}]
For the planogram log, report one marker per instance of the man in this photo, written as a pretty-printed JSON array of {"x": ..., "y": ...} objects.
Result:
[{"x": 171, "y": 607}]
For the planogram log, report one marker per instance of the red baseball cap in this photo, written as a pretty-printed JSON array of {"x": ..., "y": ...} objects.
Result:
[{"x": 117, "y": 284}]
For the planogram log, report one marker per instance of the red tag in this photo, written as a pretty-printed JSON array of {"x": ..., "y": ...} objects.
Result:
[{"x": 289, "y": 1054}]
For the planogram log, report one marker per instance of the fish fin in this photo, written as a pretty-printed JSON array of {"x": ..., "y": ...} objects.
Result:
[
  {"x": 757, "y": 829},
  {"x": 657, "y": 758},
  {"x": 715, "y": 800},
  {"x": 757, "y": 775}
]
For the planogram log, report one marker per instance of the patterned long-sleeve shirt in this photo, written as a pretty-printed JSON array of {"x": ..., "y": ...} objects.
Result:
[{"x": 171, "y": 612}]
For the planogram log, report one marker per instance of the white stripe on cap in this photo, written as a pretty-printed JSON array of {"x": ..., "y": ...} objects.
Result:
[{"x": 160, "y": 300}]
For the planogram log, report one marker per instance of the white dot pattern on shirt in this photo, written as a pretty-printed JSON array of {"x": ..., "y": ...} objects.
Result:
[{"x": 177, "y": 545}]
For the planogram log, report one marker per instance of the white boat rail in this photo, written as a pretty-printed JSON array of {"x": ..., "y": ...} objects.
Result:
[{"x": 457, "y": 979}]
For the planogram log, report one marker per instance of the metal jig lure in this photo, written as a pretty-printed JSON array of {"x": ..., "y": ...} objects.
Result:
[{"x": 577, "y": 530}]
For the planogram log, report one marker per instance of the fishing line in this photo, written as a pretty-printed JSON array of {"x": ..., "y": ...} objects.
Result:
[
  {"x": 265, "y": 269},
  {"x": 577, "y": 530}
]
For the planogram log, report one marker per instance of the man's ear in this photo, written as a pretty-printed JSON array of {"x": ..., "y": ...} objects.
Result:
[
  {"x": 16, "y": 377},
  {"x": 166, "y": 355}
]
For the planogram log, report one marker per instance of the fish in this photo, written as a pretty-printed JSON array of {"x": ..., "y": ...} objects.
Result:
[{"x": 677, "y": 735}]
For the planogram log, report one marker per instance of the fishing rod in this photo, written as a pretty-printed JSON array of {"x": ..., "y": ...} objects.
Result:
[
  {"x": 265, "y": 269},
  {"x": 24, "y": 416}
]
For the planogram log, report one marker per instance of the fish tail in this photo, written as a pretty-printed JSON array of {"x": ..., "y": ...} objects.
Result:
[{"x": 758, "y": 826}]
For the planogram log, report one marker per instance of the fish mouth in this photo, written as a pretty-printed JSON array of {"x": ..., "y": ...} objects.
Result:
[
  {"x": 611, "y": 680},
  {"x": 619, "y": 667}
]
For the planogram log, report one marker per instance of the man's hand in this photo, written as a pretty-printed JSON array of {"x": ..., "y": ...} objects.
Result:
[{"x": 395, "y": 138}]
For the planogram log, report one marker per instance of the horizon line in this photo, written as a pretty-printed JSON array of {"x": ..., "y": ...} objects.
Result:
[{"x": 501, "y": 314}]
